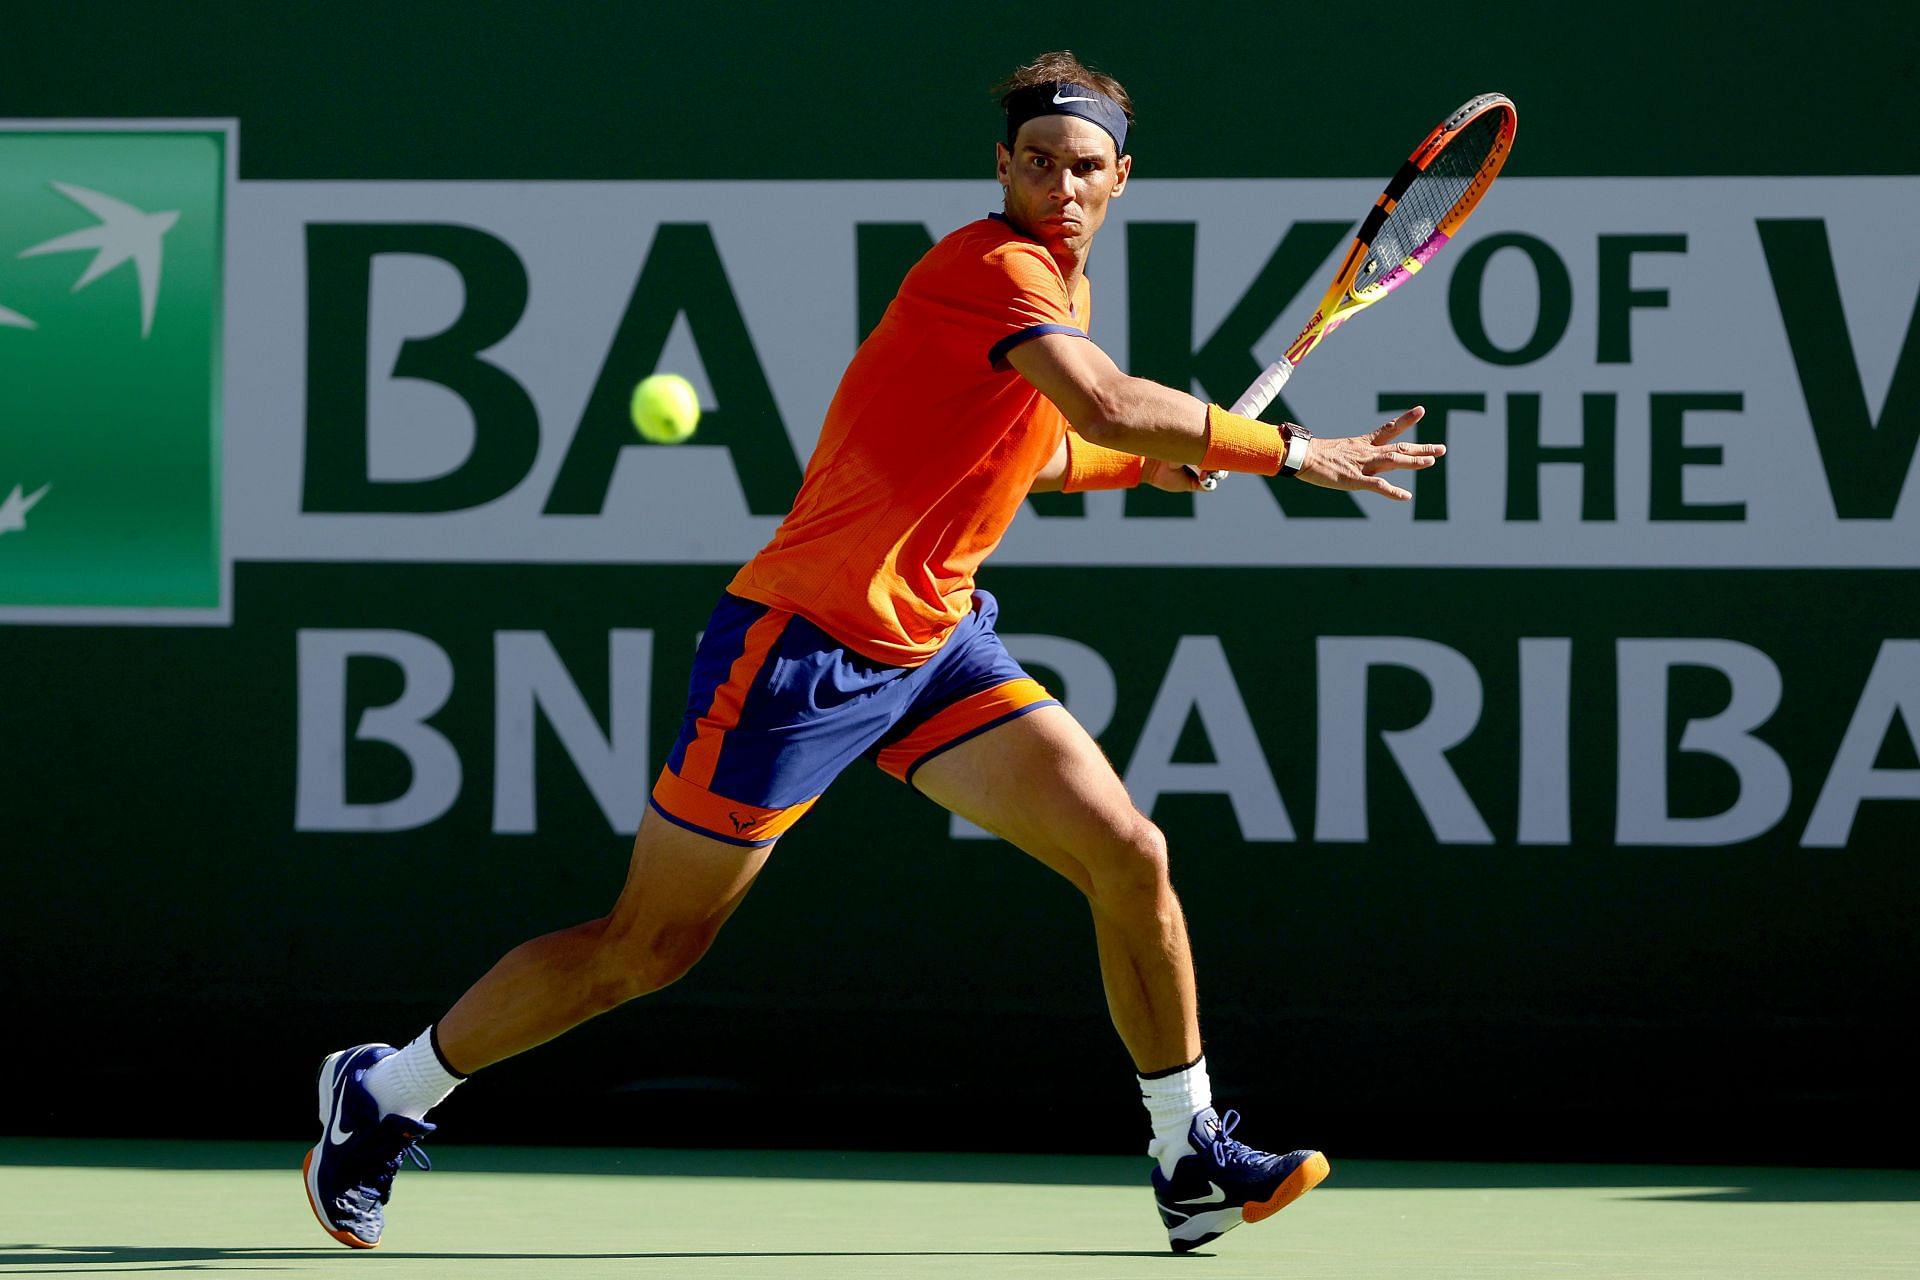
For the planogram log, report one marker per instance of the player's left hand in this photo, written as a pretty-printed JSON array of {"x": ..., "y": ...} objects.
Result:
[
  {"x": 1174, "y": 477},
  {"x": 1355, "y": 462}
]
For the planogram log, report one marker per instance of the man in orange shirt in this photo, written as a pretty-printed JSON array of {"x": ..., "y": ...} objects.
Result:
[{"x": 858, "y": 631}]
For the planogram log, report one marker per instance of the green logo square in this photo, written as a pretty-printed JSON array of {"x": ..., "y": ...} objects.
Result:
[{"x": 112, "y": 243}]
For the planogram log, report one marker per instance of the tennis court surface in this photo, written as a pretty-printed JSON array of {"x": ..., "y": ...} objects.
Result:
[{"x": 107, "y": 1207}]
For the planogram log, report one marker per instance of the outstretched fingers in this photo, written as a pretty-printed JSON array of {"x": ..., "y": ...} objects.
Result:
[
  {"x": 1406, "y": 457},
  {"x": 1399, "y": 455},
  {"x": 1388, "y": 432},
  {"x": 1356, "y": 462},
  {"x": 1386, "y": 489}
]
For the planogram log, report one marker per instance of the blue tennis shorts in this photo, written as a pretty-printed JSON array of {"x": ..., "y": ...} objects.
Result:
[{"x": 777, "y": 708}]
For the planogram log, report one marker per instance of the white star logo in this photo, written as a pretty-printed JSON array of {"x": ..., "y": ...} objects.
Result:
[
  {"x": 14, "y": 320},
  {"x": 13, "y": 512},
  {"x": 123, "y": 234}
]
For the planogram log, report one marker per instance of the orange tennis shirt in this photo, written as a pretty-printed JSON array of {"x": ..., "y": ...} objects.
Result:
[{"x": 928, "y": 449}]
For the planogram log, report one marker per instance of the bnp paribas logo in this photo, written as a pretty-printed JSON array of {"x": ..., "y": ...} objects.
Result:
[{"x": 111, "y": 255}]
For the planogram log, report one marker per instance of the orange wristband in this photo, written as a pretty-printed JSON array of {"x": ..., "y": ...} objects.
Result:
[
  {"x": 1091, "y": 466},
  {"x": 1235, "y": 443}
]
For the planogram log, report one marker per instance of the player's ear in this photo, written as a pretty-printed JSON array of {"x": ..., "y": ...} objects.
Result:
[
  {"x": 1121, "y": 168},
  {"x": 1002, "y": 158}
]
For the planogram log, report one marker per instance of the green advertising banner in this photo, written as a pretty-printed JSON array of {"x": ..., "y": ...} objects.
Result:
[{"x": 110, "y": 352}]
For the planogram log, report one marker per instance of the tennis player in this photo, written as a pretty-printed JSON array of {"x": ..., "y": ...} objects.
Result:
[{"x": 858, "y": 631}]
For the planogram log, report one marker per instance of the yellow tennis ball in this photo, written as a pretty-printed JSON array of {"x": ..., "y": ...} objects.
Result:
[{"x": 665, "y": 408}]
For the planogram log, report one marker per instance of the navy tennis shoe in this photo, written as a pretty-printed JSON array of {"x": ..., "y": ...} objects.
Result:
[
  {"x": 350, "y": 1170},
  {"x": 1225, "y": 1183}
]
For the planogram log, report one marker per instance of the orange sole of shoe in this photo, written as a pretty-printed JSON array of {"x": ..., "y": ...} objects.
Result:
[
  {"x": 344, "y": 1237},
  {"x": 1311, "y": 1173}
]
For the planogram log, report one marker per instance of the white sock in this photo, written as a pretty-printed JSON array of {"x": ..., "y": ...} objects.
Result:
[
  {"x": 412, "y": 1081},
  {"x": 1173, "y": 1098}
]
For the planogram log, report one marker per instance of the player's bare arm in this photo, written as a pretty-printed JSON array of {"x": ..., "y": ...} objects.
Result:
[
  {"x": 1170, "y": 476},
  {"x": 1053, "y": 476},
  {"x": 1111, "y": 408}
]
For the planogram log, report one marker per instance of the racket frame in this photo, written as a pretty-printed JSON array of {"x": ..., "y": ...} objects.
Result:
[{"x": 1342, "y": 301}]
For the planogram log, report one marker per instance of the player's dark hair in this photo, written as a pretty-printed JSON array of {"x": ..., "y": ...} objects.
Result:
[{"x": 1062, "y": 67}]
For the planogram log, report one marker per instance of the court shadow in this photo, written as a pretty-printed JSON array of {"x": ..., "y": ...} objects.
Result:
[
  {"x": 1838, "y": 1186},
  {"x": 29, "y": 1259}
]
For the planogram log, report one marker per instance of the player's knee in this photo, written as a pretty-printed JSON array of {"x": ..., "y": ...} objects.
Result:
[
  {"x": 1132, "y": 862},
  {"x": 637, "y": 962}
]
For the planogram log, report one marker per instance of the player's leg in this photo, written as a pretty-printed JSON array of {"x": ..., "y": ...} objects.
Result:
[
  {"x": 1043, "y": 785},
  {"x": 716, "y": 810},
  {"x": 1039, "y": 781},
  {"x": 681, "y": 887},
  {"x": 758, "y": 744}
]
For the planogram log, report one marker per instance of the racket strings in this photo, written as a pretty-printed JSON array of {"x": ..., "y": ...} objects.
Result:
[{"x": 1428, "y": 200}]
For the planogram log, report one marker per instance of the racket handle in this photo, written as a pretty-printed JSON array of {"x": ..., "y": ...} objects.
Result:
[
  {"x": 1264, "y": 389},
  {"x": 1251, "y": 402}
]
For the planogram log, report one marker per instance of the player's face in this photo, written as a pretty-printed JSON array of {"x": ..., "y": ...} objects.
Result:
[{"x": 1059, "y": 175}]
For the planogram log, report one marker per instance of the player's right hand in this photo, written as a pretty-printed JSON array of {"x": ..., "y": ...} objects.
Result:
[
  {"x": 1355, "y": 462},
  {"x": 1174, "y": 477}
]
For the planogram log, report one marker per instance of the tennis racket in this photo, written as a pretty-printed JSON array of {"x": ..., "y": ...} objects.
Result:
[{"x": 1421, "y": 209}]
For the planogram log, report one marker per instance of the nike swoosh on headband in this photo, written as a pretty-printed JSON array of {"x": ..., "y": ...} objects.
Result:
[{"x": 1057, "y": 99}]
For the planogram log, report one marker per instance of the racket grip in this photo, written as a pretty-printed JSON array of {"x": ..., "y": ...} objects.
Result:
[
  {"x": 1264, "y": 389},
  {"x": 1251, "y": 402}
]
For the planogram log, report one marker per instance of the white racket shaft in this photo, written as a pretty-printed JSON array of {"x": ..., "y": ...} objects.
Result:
[{"x": 1251, "y": 402}]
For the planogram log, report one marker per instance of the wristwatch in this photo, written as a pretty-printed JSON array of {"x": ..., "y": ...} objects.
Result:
[{"x": 1297, "y": 440}]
